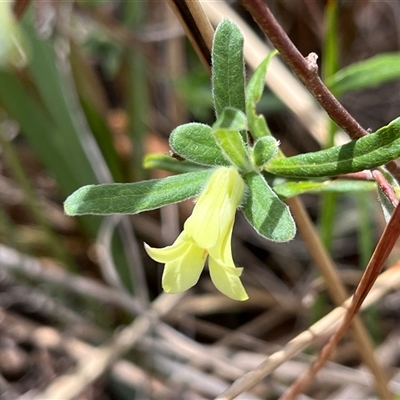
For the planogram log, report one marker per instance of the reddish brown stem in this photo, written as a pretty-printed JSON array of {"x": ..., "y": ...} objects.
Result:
[
  {"x": 306, "y": 70},
  {"x": 385, "y": 186},
  {"x": 374, "y": 267}
]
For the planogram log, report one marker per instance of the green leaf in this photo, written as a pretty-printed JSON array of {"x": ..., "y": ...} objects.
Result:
[
  {"x": 370, "y": 151},
  {"x": 257, "y": 124},
  {"x": 231, "y": 119},
  {"x": 132, "y": 198},
  {"x": 228, "y": 75},
  {"x": 364, "y": 74},
  {"x": 195, "y": 142},
  {"x": 171, "y": 164},
  {"x": 269, "y": 216},
  {"x": 290, "y": 189},
  {"x": 264, "y": 149},
  {"x": 226, "y": 132}
]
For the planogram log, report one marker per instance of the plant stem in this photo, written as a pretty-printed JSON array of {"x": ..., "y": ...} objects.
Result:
[
  {"x": 305, "y": 68},
  {"x": 383, "y": 249}
]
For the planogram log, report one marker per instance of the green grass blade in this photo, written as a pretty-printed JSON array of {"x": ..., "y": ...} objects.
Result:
[
  {"x": 228, "y": 75},
  {"x": 365, "y": 74}
]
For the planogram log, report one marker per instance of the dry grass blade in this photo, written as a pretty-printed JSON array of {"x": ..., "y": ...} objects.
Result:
[
  {"x": 46, "y": 337},
  {"x": 197, "y": 27},
  {"x": 94, "y": 364},
  {"x": 337, "y": 291},
  {"x": 381, "y": 253},
  {"x": 389, "y": 280}
]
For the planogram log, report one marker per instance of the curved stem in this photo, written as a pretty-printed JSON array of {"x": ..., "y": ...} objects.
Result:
[{"x": 305, "y": 68}]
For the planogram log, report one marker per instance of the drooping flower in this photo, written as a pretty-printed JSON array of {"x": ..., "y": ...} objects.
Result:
[{"x": 207, "y": 232}]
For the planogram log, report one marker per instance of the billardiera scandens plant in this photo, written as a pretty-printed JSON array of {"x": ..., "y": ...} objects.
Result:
[{"x": 225, "y": 170}]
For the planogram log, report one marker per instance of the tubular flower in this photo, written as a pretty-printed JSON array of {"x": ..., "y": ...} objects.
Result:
[{"x": 207, "y": 232}]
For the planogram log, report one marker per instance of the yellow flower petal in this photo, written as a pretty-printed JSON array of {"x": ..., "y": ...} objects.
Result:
[
  {"x": 184, "y": 261},
  {"x": 216, "y": 207},
  {"x": 168, "y": 253},
  {"x": 227, "y": 280},
  {"x": 222, "y": 251},
  {"x": 208, "y": 231}
]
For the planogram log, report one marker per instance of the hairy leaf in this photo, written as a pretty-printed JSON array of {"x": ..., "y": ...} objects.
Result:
[
  {"x": 132, "y": 198},
  {"x": 264, "y": 149},
  {"x": 269, "y": 216},
  {"x": 195, "y": 142},
  {"x": 370, "y": 151},
  {"x": 228, "y": 76},
  {"x": 257, "y": 125}
]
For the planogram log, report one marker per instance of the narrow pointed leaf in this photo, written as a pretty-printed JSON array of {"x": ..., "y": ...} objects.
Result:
[
  {"x": 257, "y": 124},
  {"x": 269, "y": 216},
  {"x": 290, "y": 189},
  {"x": 132, "y": 198},
  {"x": 228, "y": 76},
  {"x": 195, "y": 142},
  {"x": 370, "y": 151}
]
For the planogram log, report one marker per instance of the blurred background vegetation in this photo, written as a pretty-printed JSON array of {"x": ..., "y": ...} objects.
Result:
[{"x": 89, "y": 88}]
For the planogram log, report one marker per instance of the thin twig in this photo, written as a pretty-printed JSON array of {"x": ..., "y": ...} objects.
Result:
[
  {"x": 92, "y": 365},
  {"x": 385, "y": 186},
  {"x": 47, "y": 337},
  {"x": 389, "y": 280},
  {"x": 306, "y": 70},
  {"x": 381, "y": 253},
  {"x": 337, "y": 291}
]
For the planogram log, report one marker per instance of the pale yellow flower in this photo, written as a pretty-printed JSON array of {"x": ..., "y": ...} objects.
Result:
[{"x": 207, "y": 232}]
